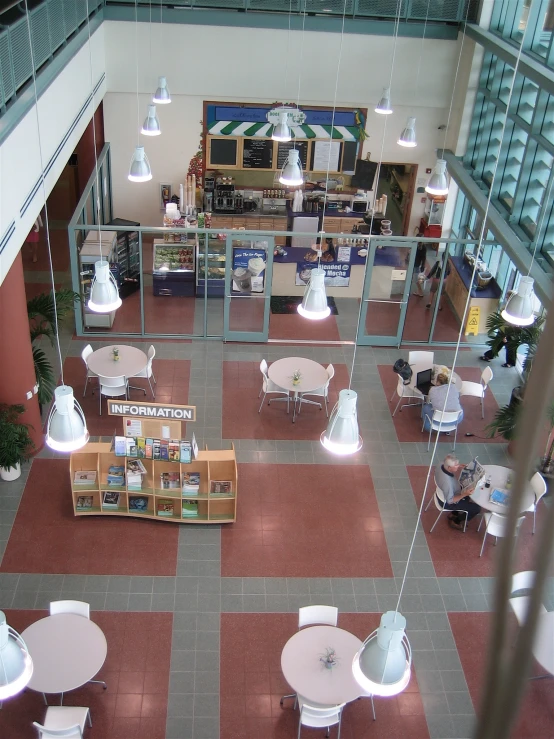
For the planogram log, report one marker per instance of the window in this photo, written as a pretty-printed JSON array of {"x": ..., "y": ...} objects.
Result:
[{"x": 535, "y": 190}]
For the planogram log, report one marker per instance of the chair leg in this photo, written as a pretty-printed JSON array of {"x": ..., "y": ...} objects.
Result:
[
  {"x": 436, "y": 522},
  {"x": 156, "y": 382},
  {"x": 479, "y": 527},
  {"x": 292, "y": 695},
  {"x": 86, "y": 383},
  {"x": 45, "y": 701},
  {"x": 263, "y": 399},
  {"x": 340, "y": 719},
  {"x": 399, "y": 401},
  {"x": 534, "y": 517},
  {"x": 465, "y": 521},
  {"x": 299, "y": 726},
  {"x": 373, "y": 708},
  {"x": 100, "y": 398},
  {"x": 392, "y": 396},
  {"x": 89, "y": 718},
  {"x": 429, "y": 503},
  {"x": 455, "y": 437},
  {"x": 483, "y": 405},
  {"x": 483, "y": 544},
  {"x": 326, "y": 408},
  {"x": 151, "y": 388},
  {"x": 61, "y": 700},
  {"x": 99, "y": 682}
]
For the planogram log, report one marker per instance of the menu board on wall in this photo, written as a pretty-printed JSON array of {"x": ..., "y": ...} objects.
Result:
[
  {"x": 257, "y": 154},
  {"x": 283, "y": 148},
  {"x": 323, "y": 158}
]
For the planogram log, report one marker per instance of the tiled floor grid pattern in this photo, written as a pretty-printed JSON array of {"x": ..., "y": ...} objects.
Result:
[{"x": 197, "y": 594}]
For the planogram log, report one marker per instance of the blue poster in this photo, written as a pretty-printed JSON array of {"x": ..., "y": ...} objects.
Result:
[
  {"x": 248, "y": 270},
  {"x": 336, "y": 274}
]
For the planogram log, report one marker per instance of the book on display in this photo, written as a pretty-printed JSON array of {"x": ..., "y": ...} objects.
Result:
[
  {"x": 138, "y": 503},
  {"x": 110, "y": 499},
  {"x": 186, "y": 452},
  {"x": 120, "y": 446},
  {"x": 164, "y": 450},
  {"x": 84, "y": 477},
  {"x": 141, "y": 447},
  {"x": 174, "y": 450},
  {"x": 220, "y": 487},
  {"x": 170, "y": 481},
  {"x": 116, "y": 475},
  {"x": 148, "y": 448},
  {"x": 190, "y": 508},
  {"x": 84, "y": 502},
  {"x": 156, "y": 449},
  {"x": 165, "y": 508},
  {"x": 191, "y": 482}
]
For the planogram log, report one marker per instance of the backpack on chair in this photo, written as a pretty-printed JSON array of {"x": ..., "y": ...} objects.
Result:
[{"x": 402, "y": 368}]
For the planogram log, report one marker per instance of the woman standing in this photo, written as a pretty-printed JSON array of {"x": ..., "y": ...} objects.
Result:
[
  {"x": 435, "y": 276},
  {"x": 420, "y": 263},
  {"x": 33, "y": 237}
]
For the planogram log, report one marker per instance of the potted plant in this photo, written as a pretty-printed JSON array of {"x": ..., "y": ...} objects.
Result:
[{"x": 16, "y": 444}]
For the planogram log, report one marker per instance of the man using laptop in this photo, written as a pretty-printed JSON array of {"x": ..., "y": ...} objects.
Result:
[{"x": 456, "y": 499}]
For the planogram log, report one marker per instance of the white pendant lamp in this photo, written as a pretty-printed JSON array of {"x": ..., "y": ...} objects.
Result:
[
  {"x": 151, "y": 125},
  {"x": 519, "y": 308},
  {"x": 104, "y": 293},
  {"x": 342, "y": 434},
  {"x": 314, "y": 303},
  {"x": 66, "y": 429},
  {"x": 408, "y": 137},
  {"x": 16, "y": 665},
  {"x": 139, "y": 170},
  {"x": 281, "y": 131},
  {"x": 383, "y": 664},
  {"x": 384, "y": 106},
  {"x": 291, "y": 174},
  {"x": 438, "y": 182},
  {"x": 162, "y": 95}
]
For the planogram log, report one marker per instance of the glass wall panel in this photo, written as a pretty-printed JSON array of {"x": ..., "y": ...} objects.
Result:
[{"x": 535, "y": 190}]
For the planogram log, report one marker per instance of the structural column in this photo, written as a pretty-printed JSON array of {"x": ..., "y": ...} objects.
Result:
[{"x": 17, "y": 370}]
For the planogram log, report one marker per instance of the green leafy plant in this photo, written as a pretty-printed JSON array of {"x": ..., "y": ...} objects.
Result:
[
  {"x": 16, "y": 444},
  {"x": 42, "y": 323}
]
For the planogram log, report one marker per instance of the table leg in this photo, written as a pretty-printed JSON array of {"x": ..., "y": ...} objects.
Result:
[{"x": 295, "y": 399}]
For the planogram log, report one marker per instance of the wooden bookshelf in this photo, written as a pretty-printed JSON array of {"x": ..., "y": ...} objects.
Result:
[{"x": 152, "y": 500}]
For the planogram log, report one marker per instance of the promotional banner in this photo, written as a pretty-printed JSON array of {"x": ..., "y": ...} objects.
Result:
[
  {"x": 248, "y": 270},
  {"x": 336, "y": 275}
]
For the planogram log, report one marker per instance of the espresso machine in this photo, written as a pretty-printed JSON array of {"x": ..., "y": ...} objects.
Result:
[
  {"x": 209, "y": 185},
  {"x": 224, "y": 198}
]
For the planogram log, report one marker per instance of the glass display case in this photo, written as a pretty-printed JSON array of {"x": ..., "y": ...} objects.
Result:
[
  {"x": 215, "y": 268},
  {"x": 173, "y": 267}
]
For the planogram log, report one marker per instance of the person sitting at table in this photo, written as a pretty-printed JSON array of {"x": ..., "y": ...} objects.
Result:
[
  {"x": 455, "y": 499},
  {"x": 441, "y": 398}
]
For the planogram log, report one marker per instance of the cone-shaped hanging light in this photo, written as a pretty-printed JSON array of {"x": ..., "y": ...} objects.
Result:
[
  {"x": 16, "y": 665},
  {"x": 383, "y": 664},
  {"x": 438, "y": 182},
  {"x": 408, "y": 137},
  {"x": 519, "y": 308},
  {"x": 104, "y": 293},
  {"x": 151, "y": 125},
  {"x": 342, "y": 435},
  {"x": 384, "y": 105},
  {"x": 162, "y": 95},
  {"x": 314, "y": 303},
  {"x": 281, "y": 132},
  {"x": 139, "y": 170},
  {"x": 66, "y": 429},
  {"x": 291, "y": 174}
]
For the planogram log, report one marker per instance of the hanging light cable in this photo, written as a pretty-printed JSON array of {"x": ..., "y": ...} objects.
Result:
[
  {"x": 162, "y": 95},
  {"x": 139, "y": 169},
  {"x": 151, "y": 125},
  {"x": 408, "y": 136},
  {"x": 71, "y": 430},
  {"x": 384, "y": 106},
  {"x": 281, "y": 132}
]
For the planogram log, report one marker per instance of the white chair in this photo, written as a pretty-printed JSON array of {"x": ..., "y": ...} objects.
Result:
[
  {"x": 269, "y": 387},
  {"x": 519, "y": 603},
  {"x": 420, "y": 361},
  {"x": 63, "y": 721},
  {"x": 406, "y": 391},
  {"x": 85, "y": 354},
  {"x": 478, "y": 389},
  {"x": 318, "y": 717},
  {"x": 538, "y": 483},
  {"x": 147, "y": 372},
  {"x": 495, "y": 525},
  {"x": 78, "y": 607},
  {"x": 312, "y": 616},
  {"x": 320, "y": 392},
  {"x": 112, "y": 387},
  {"x": 441, "y": 422},
  {"x": 438, "y": 497}
]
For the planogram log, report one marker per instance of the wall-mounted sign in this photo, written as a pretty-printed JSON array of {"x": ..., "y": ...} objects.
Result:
[
  {"x": 152, "y": 410},
  {"x": 295, "y": 117},
  {"x": 336, "y": 275}
]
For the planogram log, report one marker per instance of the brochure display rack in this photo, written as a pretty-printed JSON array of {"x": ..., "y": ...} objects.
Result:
[{"x": 141, "y": 483}]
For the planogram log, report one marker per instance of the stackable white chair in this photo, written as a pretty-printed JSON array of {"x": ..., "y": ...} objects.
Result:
[
  {"x": 112, "y": 387},
  {"x": 269, "y": 387},
  {"x": 319, "y": 717},
  {"x": 538, "y": 484},
  {"x": 85, "y": 354},
  {"x": 438, "y": 498},
  {"x": 495, "y": 525},
  {"x": 77, "y": 607},
  {"x": 320, "y": 392},
  {"x": 64, "y": 721},
  {"x": 441, "y": 422},
  {"x": 312, "y": 616},
  {"x": 147, "y": 372},
  {"x": 420, "y": 361},
  {"x": 519, "y": 603},
  {"x": 406, "y": 392},
  {"x": 478, "y": 389}
]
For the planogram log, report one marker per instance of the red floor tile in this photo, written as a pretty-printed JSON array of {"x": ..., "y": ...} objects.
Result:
[
  {"x": 284, "y": 326},
  {"x": 46, "y": 536},
  {"x": 536, "y": 713},
  {"x": 456, "y": 554},
  {"x": 408, "y": 423},
  {"x": 418, "y": 321},
  {"x": 123, "y": 711},
  {"x": 247, "y": 713},
  {"x": 305, "y": 521},
  {"x": 172, "y": 377},
  {"x": 241, "y": 384}
]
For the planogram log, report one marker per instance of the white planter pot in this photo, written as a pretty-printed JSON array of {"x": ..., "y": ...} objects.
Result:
[{"x": 11, "y": 473}]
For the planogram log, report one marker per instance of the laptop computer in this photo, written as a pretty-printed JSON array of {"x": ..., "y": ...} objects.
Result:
[{"x": 423, "y": 381}]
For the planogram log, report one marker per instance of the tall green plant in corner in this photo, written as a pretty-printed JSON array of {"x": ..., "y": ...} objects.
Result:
[{"x": 42, "y": 323}]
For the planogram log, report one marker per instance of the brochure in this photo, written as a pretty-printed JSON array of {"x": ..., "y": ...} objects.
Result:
[{"x": 499, "y": 496}]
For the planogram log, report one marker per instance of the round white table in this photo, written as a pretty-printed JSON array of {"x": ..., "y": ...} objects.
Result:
[
  {"x": 67, "y": 651},
  {"x": 499, "y": 477},
  {"x": 312, "y": 377},
  {"x": 308, "y": 677},
  {"x": 131, "y": 361}
]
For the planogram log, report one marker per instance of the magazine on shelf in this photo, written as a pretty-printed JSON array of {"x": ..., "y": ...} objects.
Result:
[
  {"x": 165, "y": 508},
  {"x": 191, "y": 482},
  {"x": 136, "y": 467},
  {"x": 499, "y": 497},
  {"x": 148, "y": 448},
  {"x": 131, "y": 446},
  {"x": 110, "y": 499},
  {"x": 164, "y": 449},
  {"x": 174, "y": 450},
  {"x": 185, "y": 452},
  {"x": 120, "y": 446},
  {"x": 190, "y": 508},
  {"x": 220, "y": 487},
  {"x": 84, "y": 477},
  {"x": 116, "y": 475},
  {"x": 170, "y": 481},
  {"x": 156, "y": 449},
  {"x": 84, "y": 502},
  {"x": 138, "y": 503},
  {"x": 471, "y": 475},
  {"x": 141, "y": 447}
]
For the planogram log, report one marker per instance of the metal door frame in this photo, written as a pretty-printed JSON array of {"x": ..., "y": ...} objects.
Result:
[{"x": 392, "y": 340}]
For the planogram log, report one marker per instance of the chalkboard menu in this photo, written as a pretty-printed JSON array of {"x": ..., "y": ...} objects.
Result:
[
  {"x": 257, "y": 154},
  {"x": 283, "y": 149},
  {"x": 223, "y": 152}
]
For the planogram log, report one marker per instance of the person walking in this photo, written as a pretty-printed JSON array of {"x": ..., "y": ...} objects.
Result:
[
  {"x": 435, "y": 277},
  {"x": 33, "y": 237},
  {"x": 502, "y": 339},
  {"x": 420, "y": 262}
]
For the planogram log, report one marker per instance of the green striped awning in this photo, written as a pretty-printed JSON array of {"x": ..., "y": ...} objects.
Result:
[{"x": 264, "y": 130}]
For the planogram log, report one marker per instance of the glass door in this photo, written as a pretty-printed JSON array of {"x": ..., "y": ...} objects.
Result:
[
  {"x": 248, "y": 272},
  {"x": 385, "y": 292}
]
